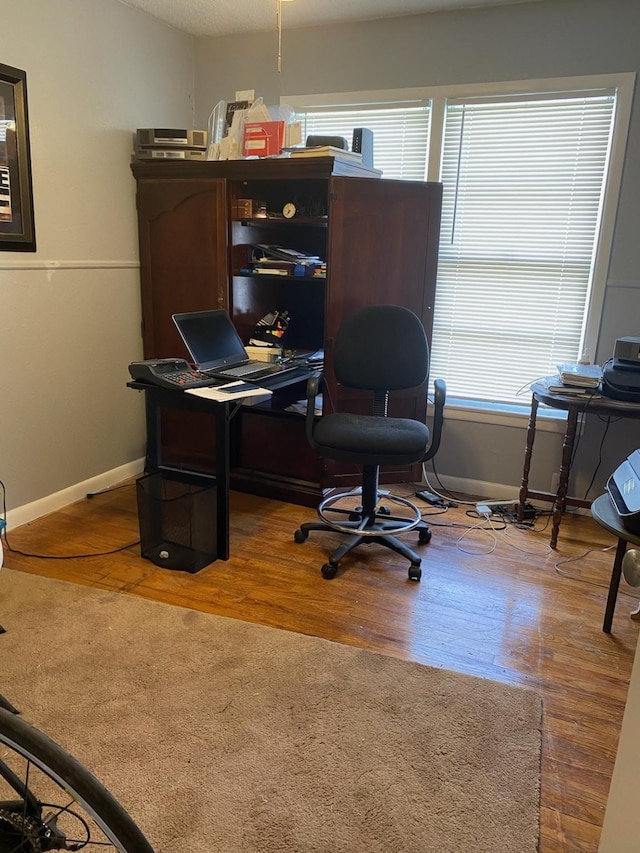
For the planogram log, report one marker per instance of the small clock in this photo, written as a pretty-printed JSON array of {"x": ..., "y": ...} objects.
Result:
[{"x": 289, "y": 210}]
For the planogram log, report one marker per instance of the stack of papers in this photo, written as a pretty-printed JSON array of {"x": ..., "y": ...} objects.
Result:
[
  {"x": 580, "y": 375},
  {"x": 232, "y": 391},
  {"x": 326, "y": 151},
  {"x": 575, "y": 379}
]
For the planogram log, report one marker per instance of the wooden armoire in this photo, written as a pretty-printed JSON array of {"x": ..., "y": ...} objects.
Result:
[{"x": 379, "y": 239}]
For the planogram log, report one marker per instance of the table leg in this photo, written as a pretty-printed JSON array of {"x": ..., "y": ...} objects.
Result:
[
  {"x": 154, "y": 439},
  {"x": 531, "y": 434},
  {"x": 222, "y": 480},
  {"x": 565, "y": 470},
  {"x": 614, "y": 584}
]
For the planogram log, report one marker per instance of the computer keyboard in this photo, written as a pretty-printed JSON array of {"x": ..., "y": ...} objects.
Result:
[{"x": 247, "y": 370}]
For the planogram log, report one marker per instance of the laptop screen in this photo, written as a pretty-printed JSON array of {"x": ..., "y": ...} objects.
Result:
[{"x": 211, "y": 338}]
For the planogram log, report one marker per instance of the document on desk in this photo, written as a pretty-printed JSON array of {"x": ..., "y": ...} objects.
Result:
[{"x": 237, "y": 391}]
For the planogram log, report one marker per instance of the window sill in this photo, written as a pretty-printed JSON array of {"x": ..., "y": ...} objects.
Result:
[{"x": 503, "y": 414}]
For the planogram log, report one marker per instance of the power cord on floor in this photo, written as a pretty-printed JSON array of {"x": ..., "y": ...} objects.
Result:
[
  {"x": 60, "y": 556},
  {"x": 67, "y": 556}
]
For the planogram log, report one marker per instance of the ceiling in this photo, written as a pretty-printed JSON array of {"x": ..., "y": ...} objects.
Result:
[{"x": 226, "y": 17}]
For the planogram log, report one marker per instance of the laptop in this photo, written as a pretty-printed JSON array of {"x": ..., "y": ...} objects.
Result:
[{"x": 217, "y": 349}]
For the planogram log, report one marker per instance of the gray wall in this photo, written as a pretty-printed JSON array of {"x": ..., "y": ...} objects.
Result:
[
  {"x": 70, "y": 312},
  {"x": 552, "y": 38}
]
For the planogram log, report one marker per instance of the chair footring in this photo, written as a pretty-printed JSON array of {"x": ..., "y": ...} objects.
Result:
[{"x": 377, "y": 522}]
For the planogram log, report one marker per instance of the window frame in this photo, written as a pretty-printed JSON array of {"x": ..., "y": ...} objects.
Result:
[{"x": 624, "y": 85}]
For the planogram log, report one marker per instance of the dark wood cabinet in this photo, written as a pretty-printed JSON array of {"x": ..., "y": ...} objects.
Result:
[{"x": 380, "y": 242}]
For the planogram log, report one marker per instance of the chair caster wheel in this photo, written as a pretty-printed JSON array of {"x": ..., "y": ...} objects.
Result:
[
  {"x": 300, "y": 536},
  {"x": 415, "y": 573},
  {"x": 328, "y": 571},
  {"x": 384, "y": 510},
  {"x": 424, "y": 537}
]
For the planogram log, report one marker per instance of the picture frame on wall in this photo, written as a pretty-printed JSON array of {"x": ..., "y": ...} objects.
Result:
[{"x": 17, "y": 226}]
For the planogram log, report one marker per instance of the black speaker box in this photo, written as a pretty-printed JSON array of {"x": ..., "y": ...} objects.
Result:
[{"x": 363, "y": 144}]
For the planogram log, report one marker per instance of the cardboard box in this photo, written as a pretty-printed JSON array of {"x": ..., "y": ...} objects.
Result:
[{"x": 262, "y": 138}]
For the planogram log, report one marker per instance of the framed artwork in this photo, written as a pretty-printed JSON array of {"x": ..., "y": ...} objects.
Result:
[{"x": 17, "y": 228}]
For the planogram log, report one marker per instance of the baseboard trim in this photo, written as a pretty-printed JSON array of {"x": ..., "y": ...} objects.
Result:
[
  {"x": 493, "y": 492},
  {"x": 487, "y": 491},
  {"x": 29, "y": 512}
]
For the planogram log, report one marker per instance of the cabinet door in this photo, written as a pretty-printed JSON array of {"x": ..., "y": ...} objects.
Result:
[
  {"x": 183, "y": 267},
  {"x": 183, "y": 255},
  {"x": 382, "y": 249}
]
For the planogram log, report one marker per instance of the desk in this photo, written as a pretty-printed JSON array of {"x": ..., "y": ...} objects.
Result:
[
  {"x": 575, "y": 407},
  {"x": 604, "y": 513},
  {"x": 157, "y": 398}
]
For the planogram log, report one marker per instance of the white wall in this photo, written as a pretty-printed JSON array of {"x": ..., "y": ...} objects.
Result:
[
  {"x": 555, "y": 38},
  {"x": 70, "y": 312},
  {"x": 620, "y": 831}
]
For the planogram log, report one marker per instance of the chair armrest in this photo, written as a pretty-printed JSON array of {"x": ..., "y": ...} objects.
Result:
[
  {"x": 439, "y": 399},
  {"x": 313, "y": 386}
]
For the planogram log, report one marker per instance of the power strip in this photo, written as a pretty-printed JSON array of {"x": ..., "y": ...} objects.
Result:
[{"x": 429, "y": 497}]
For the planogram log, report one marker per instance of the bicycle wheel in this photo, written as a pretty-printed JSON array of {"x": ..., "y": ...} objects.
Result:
[{"x": 49, "y": 801}]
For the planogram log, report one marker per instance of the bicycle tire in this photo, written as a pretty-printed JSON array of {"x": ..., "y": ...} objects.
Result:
[{"x": 62, "y": 768}]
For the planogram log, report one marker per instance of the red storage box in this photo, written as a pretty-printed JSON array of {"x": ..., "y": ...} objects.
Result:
[{"x": 262, "y": 138}]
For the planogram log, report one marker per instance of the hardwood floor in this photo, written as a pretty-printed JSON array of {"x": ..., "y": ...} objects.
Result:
[{"x": 496, "y": 606}]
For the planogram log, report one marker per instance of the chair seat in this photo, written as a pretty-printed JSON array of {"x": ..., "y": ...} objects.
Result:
[{"x": 371, "y": 440}]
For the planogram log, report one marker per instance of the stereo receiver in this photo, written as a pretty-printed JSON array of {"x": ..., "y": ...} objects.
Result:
[
  {"x": 167, "y": 137},
  {"x": 627, "y": 349}
]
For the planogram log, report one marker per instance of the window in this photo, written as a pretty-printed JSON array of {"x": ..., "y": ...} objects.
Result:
[{"x": 530, "y": 173}]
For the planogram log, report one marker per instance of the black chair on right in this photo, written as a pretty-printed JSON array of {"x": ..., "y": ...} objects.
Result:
[{"x": 380, "y": 349}]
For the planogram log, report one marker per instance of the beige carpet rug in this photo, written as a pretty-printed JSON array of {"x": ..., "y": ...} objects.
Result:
[{"x": 218, "y": 735}]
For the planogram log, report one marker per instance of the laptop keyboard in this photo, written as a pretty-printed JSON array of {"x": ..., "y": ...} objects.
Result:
[{"x": 248, "y": 370}]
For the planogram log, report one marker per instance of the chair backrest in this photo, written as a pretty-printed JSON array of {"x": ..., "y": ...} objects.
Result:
[{"x": 381, "y": 348}]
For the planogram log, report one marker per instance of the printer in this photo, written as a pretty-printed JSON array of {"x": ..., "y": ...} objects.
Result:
[
  {"x": 621, "y": 374},
  {"x": 623, "y": 487}
]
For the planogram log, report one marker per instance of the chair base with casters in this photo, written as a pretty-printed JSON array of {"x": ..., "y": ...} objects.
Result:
[{"x": 368, "y": 523}]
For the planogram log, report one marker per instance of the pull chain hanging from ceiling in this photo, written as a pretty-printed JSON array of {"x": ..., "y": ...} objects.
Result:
[{"x": 279, "y": 25}]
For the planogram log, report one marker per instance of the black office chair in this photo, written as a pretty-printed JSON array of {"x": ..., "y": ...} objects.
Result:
[{"x": 380, "y": 348}]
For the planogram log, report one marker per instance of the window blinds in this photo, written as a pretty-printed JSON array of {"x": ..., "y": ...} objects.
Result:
[
  {"x": 400, "y": 134},
  {"x": 523, "y": 188}
]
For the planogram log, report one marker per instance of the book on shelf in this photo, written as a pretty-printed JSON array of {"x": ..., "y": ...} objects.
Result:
[
  {"x": 583, "y": 375},
  {"x": 326, "y": 151}
]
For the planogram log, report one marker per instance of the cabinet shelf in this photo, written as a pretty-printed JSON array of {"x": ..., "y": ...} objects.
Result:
[
  {"x": 297, "y": 278},
  {"x": 272, "y": 221}
]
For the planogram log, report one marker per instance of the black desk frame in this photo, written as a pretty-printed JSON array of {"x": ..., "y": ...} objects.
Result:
[{"x": 156, "y": 399}]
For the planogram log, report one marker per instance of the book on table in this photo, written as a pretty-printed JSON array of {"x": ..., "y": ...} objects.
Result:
[
  {"x": 555, "y": 385},
  {"x": 581, "y": 375}
]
